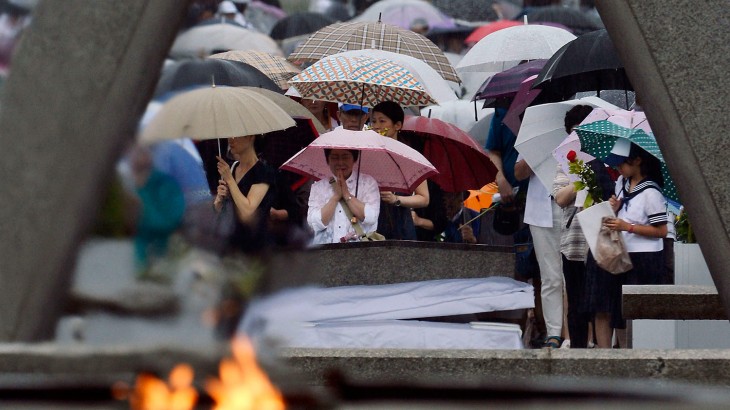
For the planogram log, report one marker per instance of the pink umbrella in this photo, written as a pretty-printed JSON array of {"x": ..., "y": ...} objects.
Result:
[
  {"x": 461, "y": 161},
  {"x": 396, "y": 166}
]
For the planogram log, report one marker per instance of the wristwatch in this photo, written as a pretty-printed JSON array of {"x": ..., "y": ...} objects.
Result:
[
  {"x": 348, "y": 198},
  {"x": 397, "y": 201}
]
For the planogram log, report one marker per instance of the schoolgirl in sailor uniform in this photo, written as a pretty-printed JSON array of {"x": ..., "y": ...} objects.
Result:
[{"x": 641, "y": 217}]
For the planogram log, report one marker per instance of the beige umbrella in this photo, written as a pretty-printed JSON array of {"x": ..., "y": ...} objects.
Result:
[
  {"x": 275, "y": 67},
  {"x": 216, "y": 112},
  {"x": 293, "y": 108}
]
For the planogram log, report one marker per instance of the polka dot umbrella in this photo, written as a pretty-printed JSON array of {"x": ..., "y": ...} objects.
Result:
[{"x": 598, "y": 138}]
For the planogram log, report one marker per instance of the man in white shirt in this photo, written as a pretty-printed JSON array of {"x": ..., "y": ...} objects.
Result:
[{"x": 544, "y": 217}]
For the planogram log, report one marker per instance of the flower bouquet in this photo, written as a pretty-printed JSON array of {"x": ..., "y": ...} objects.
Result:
[{"x": 586, "y": 180}]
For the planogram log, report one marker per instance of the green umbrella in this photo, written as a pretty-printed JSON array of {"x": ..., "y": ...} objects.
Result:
[{"x": 598, "y": 138}]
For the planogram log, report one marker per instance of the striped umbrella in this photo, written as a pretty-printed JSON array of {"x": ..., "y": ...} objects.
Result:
[
  {"x": 340, "y": 37},
  {"x": 360, "y": 80}
]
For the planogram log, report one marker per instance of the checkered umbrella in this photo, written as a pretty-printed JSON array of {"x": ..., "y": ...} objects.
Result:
[
  {"x": 340, "y": 37},
  {"x": 360, "y": 80},
  {"x": 598, "y": 138},
  {"x": 275, "y": 67}
]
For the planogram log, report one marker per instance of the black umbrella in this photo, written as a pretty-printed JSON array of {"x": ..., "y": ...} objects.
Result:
[
  {"x": 189, "y": 73},
  {"x": 299, "y": 24},
  {"x": 588, "y": 63},
  {"x": 577, "y": 21}
]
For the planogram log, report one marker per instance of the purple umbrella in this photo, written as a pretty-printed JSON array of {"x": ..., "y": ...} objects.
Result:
[{"x": 508, "y": 82}]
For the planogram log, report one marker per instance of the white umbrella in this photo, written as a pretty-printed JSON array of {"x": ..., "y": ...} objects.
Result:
[
  {"x": 430, "y": 79},
  {"x": 202, "y": 41},
  {"x": 542, "y": 130},
  {"x": 216, "y": 112},
  {"x": 505, "y": 48}
]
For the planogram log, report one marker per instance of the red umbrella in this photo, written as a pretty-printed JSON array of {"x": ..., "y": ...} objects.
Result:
[
  {"x": 490, "y": 28},
  {"x": 461, "y": 162}
]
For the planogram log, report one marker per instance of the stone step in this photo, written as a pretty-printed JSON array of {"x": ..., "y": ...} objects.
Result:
[
  {"x": 386, "y": 262},
  {"x": 672, "y": 302}
]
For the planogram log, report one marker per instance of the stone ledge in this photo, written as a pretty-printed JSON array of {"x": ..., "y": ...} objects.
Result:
[
  {"x": 672, "y": 302},
  {"x": 705, "y": 367}
]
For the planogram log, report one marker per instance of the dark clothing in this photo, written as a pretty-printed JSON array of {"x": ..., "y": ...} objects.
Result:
[
  {"x": 575, "y": 277},
  {"x": 502, "y": 139},
  {"x": 435, "y": 212},
  {"x": 396, "y": 222},
  {"x": 607, "y": 184},
  {"x": 603, "y": 289},
  {"x": 453, "y": 234},
  {"x": 247, "y": 237}
]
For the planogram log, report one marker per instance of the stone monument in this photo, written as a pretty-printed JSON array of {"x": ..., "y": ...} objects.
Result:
[{"x": 82, "y": 75}]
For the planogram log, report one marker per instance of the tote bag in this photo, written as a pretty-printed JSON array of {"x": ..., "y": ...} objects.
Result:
[{"x": 611, "y": 254}]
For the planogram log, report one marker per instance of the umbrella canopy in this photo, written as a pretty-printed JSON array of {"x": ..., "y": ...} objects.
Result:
[
  {"x": 598, "y": 138},
  {"x": 216, "y": 112},
  {"x": 430, "y": 79},
  {"x": 403, "y": 13},
  {"x": 277, "y": 68},
  {"x": 461, "y": 162},
  {"x": 542, "y": 131},
  {"x": 205, "y": 39},
  {"x": 508, "y": 82},
  {"x": 340, "y": 37},
  {"x": 263, "y": 16},
  {"x": 396, "y": 166},
  {"x": 360, "y": 80},
  {"x": 279, "y": 146},
  {"x": 185, "y": 74},
  {"x": 572, "y": 142},
  {"x": 507, "y": 47},
  {"x": 467, "y": 10},
  {"x": 293, "y": 108},
  {"x": 577, "y": 21},
  {"x": 481, "y": 198},
  {"x": 489, "y": 28},
  {"x": 299, "y": 24},
  {"x": 588, "y": 63}
]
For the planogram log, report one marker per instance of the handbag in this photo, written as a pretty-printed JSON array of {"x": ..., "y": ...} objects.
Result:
[
  {"x": 208, "y": 229},
  {"x": 611, "y": 254},
  {"x": 364, "y": 237},
  {"x": 506, "y": 219}
]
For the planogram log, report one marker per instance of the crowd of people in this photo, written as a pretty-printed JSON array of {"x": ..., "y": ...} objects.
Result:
[{"x": 577, "y": 300}]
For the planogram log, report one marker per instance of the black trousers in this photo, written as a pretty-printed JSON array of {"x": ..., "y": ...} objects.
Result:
[{"x": 575, "y": 274}]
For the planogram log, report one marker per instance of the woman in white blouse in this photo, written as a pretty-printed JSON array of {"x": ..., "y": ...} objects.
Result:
[{"x": 326, "y": 216}]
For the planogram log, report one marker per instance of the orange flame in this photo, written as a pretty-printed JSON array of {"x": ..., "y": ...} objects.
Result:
[
  {"x": 242, "y": 384},
  {"x": 151, "y": 393}
]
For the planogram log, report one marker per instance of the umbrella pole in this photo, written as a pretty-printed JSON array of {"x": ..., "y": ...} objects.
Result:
[
  {"x": 476, "y": 117},
  {"x": 219, "y": 147},
  {"x": 357, "y": 180}
]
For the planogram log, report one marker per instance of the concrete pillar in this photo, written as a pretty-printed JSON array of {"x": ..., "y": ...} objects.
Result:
[
  {"x": 677, "y": 56},
  {"x": 80, "y": 79}
]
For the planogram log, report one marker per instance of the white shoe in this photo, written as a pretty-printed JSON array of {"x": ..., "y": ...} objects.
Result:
[{"x": 565, "y": 344}]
